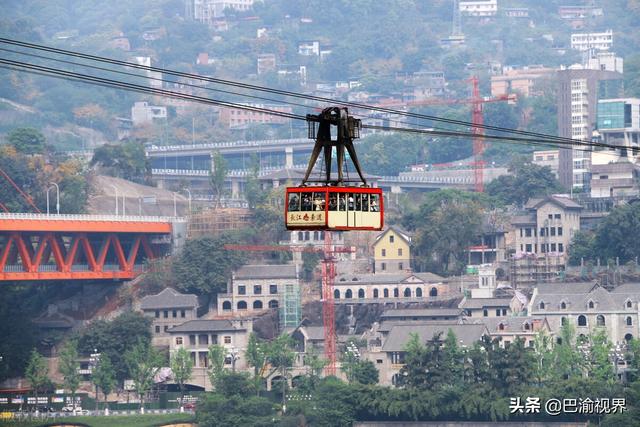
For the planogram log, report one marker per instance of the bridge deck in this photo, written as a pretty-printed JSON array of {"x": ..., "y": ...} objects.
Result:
[{"x": 86, "y": 223}]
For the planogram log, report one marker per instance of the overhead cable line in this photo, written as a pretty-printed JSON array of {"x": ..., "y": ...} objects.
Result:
[
  {"x": 284, "y": 92},
  {"x": 72, "y": 76}
]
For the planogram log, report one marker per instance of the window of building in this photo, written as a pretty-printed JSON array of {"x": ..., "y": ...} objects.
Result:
[
  {"x": 591, "y": 304},
  {"x": 485, "y": 313},
  {"x": 543, "y": 247},
  {"x": 379, "y": 361},
  {"x": 375, "y": 293},
  {"x": 528, "y": 247},
  {"x": 559, "y": 231},
  {"x": 599, "y": 320},
  {"x": 407, "y": 293},
  {"x": 541, "y": 232},
  {"x": 521, "y": 232},
  {"x": 257, "y": 305},
  {"x": 629, "y": 321},
  {"x": 183, "y": 313},
  {"x": 242, "y": 305},
  {"x": 257, "y": 289},
  {"x": 192, "y": 340},
  {"x": 273, "y": 303},
  {"x": 336, "y": 294},
  {"x": 553, "y": 247},
  {"x": 433, "y": 292},
  {"x": 396, "y": 293},
  {"x": 203, "y": 339},
  {"x": 563, "y": 305},
  {"x": 560, "y": 247},
  {"x": 166, "y": 314},
  {"x": 582, "y": 320},
  {"x": 553, "y": 231},
  {"x": 384, "y": 252},
  {"x": 541, "y": 305},
  {"x": 383, "y": 266},
  {"x": 360, "y": 293},
  {"x": 226, "y": 305},
  {"x": 501, "y": 327},
  {"x": 400, "y": 266},
  {"x": 419, "y": 292},
  {"x": 391, "y": 238},
  {"x": 497, "y": 312},
  {"x": 273, "y": 289},
  {"x": 242, "y": 290},
  {"x": 227, "y": 339},
  {"x": 629, "y": 304},
  {"x": 157, "y": 313},
  {"x": 178, "y": 340},
  {"x": 550, "y": 216},
  {"x": 527, "y": 232},
  {"x": 399, "y": 251},
  {"x": 166, "y": 328},
  {"x": 157, "y": 329},
  {"x": 504, "y": 311},
  {"x": 385, "y": 292},
  {"x": 175, "y": 313},
  {"x": 557, "y": 216}
]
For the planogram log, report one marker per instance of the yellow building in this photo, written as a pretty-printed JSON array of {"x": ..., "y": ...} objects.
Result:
[{"x": 392, "y": 251}]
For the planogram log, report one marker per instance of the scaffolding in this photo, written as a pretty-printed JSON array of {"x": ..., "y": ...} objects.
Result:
[
  {"x": 217, "y": 221},
  {"x": 530, "y": 269},
  {"x": 291, "y": 310}
]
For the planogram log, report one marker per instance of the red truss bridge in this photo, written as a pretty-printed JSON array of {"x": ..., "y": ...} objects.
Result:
[{"x": 82, "y": 247}]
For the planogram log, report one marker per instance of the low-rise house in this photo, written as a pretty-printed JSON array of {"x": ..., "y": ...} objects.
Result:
[
  {"x": 389, "y": 357},
  {"x": 392, "y": 251},
  {"x": 254, "y": 288},
  {"x": 508, "y": 329},
  {"x": 197, "y": 335},
  {"x": 421, "y": 314},
  {"x": 415, "y": 286},
  {"x": 167, "y": 309},
  {"x": 491, "y": 307},
  {"x": 588, "y": 307}
]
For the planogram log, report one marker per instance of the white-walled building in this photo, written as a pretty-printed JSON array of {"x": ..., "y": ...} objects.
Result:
[
  {"x": 479, "y": 7},
  {"x": 142, "y": 113},
  {"x": 585, "y": 41}
]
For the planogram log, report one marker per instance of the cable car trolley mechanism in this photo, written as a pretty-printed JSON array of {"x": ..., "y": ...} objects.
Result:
[{"x": 333, "y": 202}]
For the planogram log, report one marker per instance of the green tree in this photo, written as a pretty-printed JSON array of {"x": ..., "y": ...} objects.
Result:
[
  {"x": 528, "y": 181},
  {"x": 126, "y": 160},
  {"x": 143, "y": 362},
  {"x": 365, "y": 372},
  {"x": 256, "y": 358},
  {"x": 316, "y": 364},
  {"x": 567, "y": 361},
  {"x": 104, "y": 377},
  {"x": 218, "y": 410},
  {"x": 37, "y": 372},
  {"x": 217, "y": 354},
  {"x": 310, "y": 262},
  {"x": 182, "y": 368},
  {"x": 69, "y": 368},
  {"x": 27, "y": 140},
  {"x": 113, "y": 338},
  {"x": 218, "y": 175},
  {"x": 204, "y": 265},
  {"x": 582, "y": 247},
  {"x": 280, "y": 356}
]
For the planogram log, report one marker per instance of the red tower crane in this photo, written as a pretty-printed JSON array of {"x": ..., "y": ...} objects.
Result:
[
  {"x": 477, "y": 120},
  {"x": 328, "y": 277}
]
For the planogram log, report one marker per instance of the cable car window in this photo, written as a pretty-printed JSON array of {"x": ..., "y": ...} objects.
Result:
[
  {"x": 365, "y": 203},
  {"x": 358, "y": 201},
  {"x": 318, "y": 201},
  {"x": 342, "y": 202},
  {"x": 294, "y": 202},
  {"x": 306, "y": 202},
  {"x": 350, "y": 203},
  {"x": 374, "y": 203},
  {"x": 333, "y": 202}
]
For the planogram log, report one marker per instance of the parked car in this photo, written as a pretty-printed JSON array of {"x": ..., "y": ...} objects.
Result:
[{"x": 190, "y": 406}]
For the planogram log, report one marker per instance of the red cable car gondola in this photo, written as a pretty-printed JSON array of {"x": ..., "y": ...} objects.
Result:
[{"x": 334, "y": 204}]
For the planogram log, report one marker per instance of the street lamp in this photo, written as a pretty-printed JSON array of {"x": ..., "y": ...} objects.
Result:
[
  {"x": 57, "y": 197},
  {"x": 116, "y": 190}
]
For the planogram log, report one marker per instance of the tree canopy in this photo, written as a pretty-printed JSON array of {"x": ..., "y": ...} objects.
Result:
[{"x": 528, "y": 181}]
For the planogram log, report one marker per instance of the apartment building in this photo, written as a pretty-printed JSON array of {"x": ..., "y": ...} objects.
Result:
[
  {"x": 548, "y": 158},
  {"x": 392, "y": 251},
  {"x": 521, "y": 80},
  {"x": 547, "y": 226},
  {"x": 578, "y": 92},
  {"x": 238, "y": 117},
  {"x": 589, "y": 307},
  {"x": 598, "y": 40},
  {"x": 254, "y": 288},
  {"x": 142, "y": 113},
  {"x": 167, "y": 309},
  {"x": 478, "y": 7},
  {"x": 206, "y": 11},
  {"x": 197, "y": 335}
]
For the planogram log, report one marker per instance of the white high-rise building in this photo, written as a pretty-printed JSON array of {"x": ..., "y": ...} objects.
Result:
[{"x": 586, "y": 41}]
